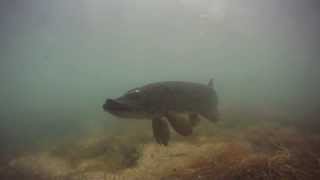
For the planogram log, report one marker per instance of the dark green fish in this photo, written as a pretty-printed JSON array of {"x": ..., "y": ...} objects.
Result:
[{"x": 179, "y": 103}]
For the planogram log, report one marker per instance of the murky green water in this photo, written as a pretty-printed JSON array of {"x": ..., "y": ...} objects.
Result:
[{"x": 60, "y": 60}]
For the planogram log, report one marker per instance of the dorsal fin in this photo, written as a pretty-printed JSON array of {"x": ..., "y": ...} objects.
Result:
[{"x": 210, "y": 84}]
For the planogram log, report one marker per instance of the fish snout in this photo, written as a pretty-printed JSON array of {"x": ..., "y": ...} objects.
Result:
[
  {"x": 108, "y": 104},
  {"x": 111, "y": 104}
]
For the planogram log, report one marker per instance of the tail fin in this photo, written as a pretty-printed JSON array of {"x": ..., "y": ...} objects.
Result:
[{"x": 210, "y": 84}]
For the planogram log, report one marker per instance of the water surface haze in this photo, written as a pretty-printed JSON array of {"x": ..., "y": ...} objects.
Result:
[{"x": 60, "y": 60}]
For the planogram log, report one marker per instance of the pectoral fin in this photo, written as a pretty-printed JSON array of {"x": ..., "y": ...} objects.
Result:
[
  {"x": 161, "y": 130},
  {"x": 180, "y": 123}
]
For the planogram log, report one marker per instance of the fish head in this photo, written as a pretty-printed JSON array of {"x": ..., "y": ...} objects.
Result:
[{"x": 130, "y": 105}]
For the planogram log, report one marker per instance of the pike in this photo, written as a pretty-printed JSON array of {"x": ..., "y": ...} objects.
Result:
[{"x": 180, "y": 103}]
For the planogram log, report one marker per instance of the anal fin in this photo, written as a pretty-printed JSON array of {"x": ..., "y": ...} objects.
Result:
[
  {"x": 194, "y": 119},
  {"x": 212, "y": 116},
  {"x": 180, "y": 124}
]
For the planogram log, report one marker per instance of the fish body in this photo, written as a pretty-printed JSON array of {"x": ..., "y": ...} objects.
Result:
[{"x": 177, "y": 102}]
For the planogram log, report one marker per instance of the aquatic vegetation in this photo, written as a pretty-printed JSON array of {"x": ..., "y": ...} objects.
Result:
[
  {"x": 267, "y": 154},
  {"x": 253, "y": 150},
  {"x": 113, "y": 149}
]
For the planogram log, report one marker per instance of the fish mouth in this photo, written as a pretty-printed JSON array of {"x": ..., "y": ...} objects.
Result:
[
  {"x": 115, "y": 106},
  {"x": 121, "y": 108}
]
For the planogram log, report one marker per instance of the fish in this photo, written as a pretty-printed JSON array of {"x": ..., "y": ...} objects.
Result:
[{"x": 180, "y": 104}]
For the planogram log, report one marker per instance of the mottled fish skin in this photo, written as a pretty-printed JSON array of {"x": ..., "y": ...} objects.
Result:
[
  {"x": 165, "y": 101},
  {"x": 180, "y": 97}
]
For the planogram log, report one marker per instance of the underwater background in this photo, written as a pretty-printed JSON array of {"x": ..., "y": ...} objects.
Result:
[{"x": 60, "y": 60}]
